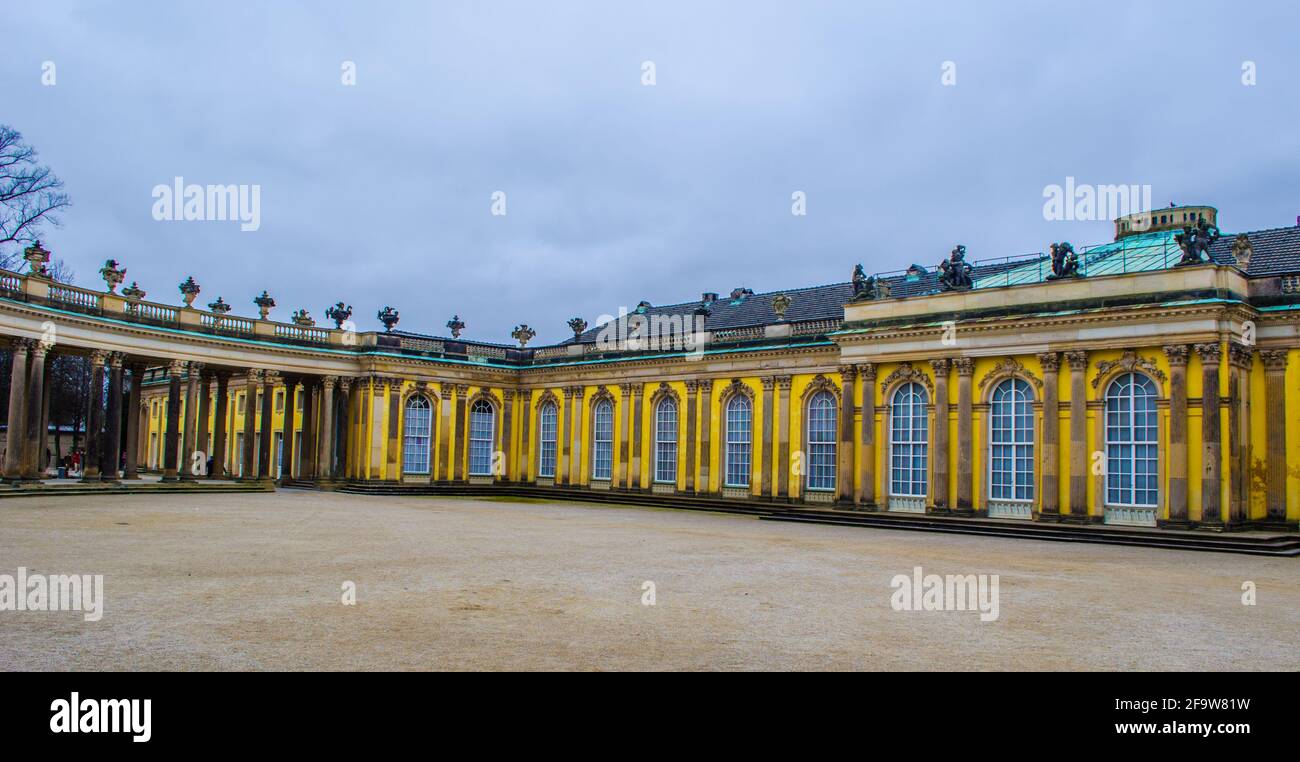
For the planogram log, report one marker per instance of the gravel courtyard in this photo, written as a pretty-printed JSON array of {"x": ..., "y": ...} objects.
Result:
[{"x": 254, "y": 582}]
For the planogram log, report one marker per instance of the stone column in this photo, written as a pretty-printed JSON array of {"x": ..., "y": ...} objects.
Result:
[
  {"x": 113, "y": 428},
  {"x": 575, "y": 450},
  {"x": 393, "y": 470},
  {"x": 1211, "y": 473},
  {"x": 525, "y": 433},
  {"x": 1078, "y": 362},
  {"x": 624, "y": 433},
  {"x": 563, "y": 437},
  {"x": 220, "y": 427},
  {"x": 191, "y": 427},
  {"x": 866, "y": 494},
  {"x": 939, "y": 450},
  {"x": 459, "y": 466},
  {"x": 1177, "y": 499},
  {"x": 290, "y": 412},
  {"x": 266, "y": 458},
  {"x": 34, "y": 451},
  {"x": 765, "y": 480},
  {"x": 637, "y": 393},
  {"x": 783, "y": 437},
  {"x": 172, "y": 439},
  {"x": 692, "y": 404},
  {"x": 507, "y": 430},
  {"x": 202, "y": 425},
  {"x": 706, "y": 426},
  {"x": 14, "y": 442},
  {"x": 1049, "y": 502},
  {"x": 251, "y": 382},
  {"x": 1275, "y": 433},
  {"x": 325, "y": 442},
  {"x": 847, "y": 456},
  {"x": 95, "y": 416},
  {"x": 1240, "y": 359},
  {"x": 47, "y": 387},
  {"x": 965, "y": 437},
  {"x": 134, "y": 423},
  {"x": 345, "y": 428}
]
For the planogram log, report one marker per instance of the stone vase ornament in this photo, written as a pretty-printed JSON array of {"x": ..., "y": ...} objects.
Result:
[
  {"x": 301, "y": 318},
  {"x": 112, "y": 275},
  {"x": 577, "y": 325},
  {"x": 189, "y": 290},
  {"x": 389, "y": 317},
  {"x": 264, "y": 304},
  {"x": 456, "y": 325},
  {"x": 781, "y": 303},
  {"x": 523, "y": 334},
  {"x": 220, "y": 306},
  {"x": 37, "y": 257},
  {"x": 133, "y": 294},
  {"x": 339, "y": 313}
]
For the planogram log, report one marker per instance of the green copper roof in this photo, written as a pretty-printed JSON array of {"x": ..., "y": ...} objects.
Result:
[{"x": 1134, "y": 254}]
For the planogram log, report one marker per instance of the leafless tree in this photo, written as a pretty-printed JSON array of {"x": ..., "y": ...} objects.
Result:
[{"x": 30, "y": 194}]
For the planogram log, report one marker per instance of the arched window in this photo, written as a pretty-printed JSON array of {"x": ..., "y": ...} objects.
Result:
[
  {"x": 482, "y": 425},
  {"x": 666, "y": 441},
  {"x": 822, "y": 434},
  {"x": 546, "y": 433},
  {"x": 1131, "y": 455},
  {"x": 417, "y": 430},
  {"x": 1011, "y": 442},
  {"x": 908, "y": 441},
  {"x": 602, "y": 441},
  {"x": 739, "y": 439}
]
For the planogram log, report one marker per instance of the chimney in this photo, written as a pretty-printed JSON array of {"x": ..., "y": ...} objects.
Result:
[{"x": 709, "y": 297}]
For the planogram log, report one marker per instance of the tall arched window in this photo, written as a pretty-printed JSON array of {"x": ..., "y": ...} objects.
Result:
[
  {"x": 1011, "y": 442},
  {"x": 416, "y": 434},
  {"x": 739, "y": 439},
  {"x": 482, "y": 425},
  {"x": 908, "y": 441},
  {"x": 602, "y": 441},
  {"x": 1131, "y": 455},
  {"x": 666, "y": 441},
  {"x": 546, "y": 433},
  {"x": 822, "y": 434}
]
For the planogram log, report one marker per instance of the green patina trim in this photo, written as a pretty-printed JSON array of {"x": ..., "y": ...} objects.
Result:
[{"x": 736, "y": 350}]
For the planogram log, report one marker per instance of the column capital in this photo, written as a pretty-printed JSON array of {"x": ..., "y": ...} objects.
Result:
[
  {"x": 39, "y": 349},
  {"x": 768, "y": 382},
  {"x": 637, "y": 388},
  {"x": 270, "y": 377},
  {"x": 22, "y": 344},
  {"x": 508, "y": 395},
  {"x": 692, "y": 385},
  {"x": 706, "y": 385},
  {"x": 1240, "y": 355},
  {"x": 940, "y": 367},
  {"x": 868, "y": 371},
  {"x": 783, "y": 383},
  {"x": 100, "y": 356},
  {"x": 1210, "y": 353},
  {"x": 1078, "y": 360},
  {"x": 964, "y": 365},
  {"x": 327, "y": 382},
  {"x": 1050, "y": 361},
  {"x": 345, "y": 384},
  {"x": 115, "y": 360},
  {"x": 1177, "y": 355},
  {"x": 174, "y": 368},
  {"x": 848, "y": 373},
  {"x": 1274, "y": 360},
  {"x": 462, "y": 389}
]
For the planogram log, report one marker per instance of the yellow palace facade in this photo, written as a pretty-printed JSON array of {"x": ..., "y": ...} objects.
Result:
[{"x": 1152, "y": 381}]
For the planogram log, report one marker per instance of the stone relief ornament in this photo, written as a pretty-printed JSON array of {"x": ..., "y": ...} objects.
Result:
[
  {"x": 189, "y": 290},
  {"x": 264, "y": 304},
  {"x": 456, "y": 325},
  {"x": 1128, "y": 363},
  {"x": 906, "y": 372},
  {"x": 1242, "y": 251},
  {"x": 389, "y": 317},
  {"x": 1010, "y": 367},
  {"x": 523, "y": 334},
  {"x": 112, "y": 275},
  {"x": 1195, "y": 242},
  {"x": 954, "y": 273},
  {"x": 1065, "y": 263},
  {"x": 781, "y": 303},
  {"x": 301, "y": 317},
  {"x": 339, "y": 313}
]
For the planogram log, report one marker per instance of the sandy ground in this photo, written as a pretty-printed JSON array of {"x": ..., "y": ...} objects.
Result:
[{"x": 253, "y": 582}]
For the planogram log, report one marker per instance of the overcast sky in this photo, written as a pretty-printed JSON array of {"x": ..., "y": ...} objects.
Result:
[{"x": 616, "y": 191}]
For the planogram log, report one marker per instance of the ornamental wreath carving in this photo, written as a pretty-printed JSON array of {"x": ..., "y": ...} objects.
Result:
[
  {"x": 1128, "y": 363},
  {"x": 1010, "y": 367},
  {"x": 906, "y": 372}
]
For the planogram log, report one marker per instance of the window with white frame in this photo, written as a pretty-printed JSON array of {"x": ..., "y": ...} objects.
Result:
[
  {"x": 822, "y": 434},
  {"x": 1131, "y": 446},
  {"x": 739, "y": 440},
  {"x": 482, "y": 424},
  {"x": 546, "y": 434},
  {"x": 908, "y": 441},
  {"x": 417, "y": 432},
  {"x": 1011, "y": 441},
  {"x": 666, "y": 441},
  {"x": 602, "y": 441}
]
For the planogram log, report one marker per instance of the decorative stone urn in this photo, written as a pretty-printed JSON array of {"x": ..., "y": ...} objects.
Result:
[
  {"x": 264, "y": 304},
  {"x": 220, "y": 306},
  {"x": 577, "y": 325},
  {"x": 389, "y": 317},
  {"x": 339, "y": 313},
  {"x": 189, "y": 290},
  {"x": 302, "y": 318},
  {"x": 781, "y": 303},
  {"x": 456, "y": 325},
  {"x": 523, "y": 334},
  {"x": 112, "y": 275},
  {"x": 133, "y": 294},
  {"x": 37, "y": 257}
]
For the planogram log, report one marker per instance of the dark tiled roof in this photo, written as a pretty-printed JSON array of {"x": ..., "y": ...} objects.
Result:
[{"x": 1275, "y": 251}]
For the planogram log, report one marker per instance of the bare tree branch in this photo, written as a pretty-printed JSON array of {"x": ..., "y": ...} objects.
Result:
[{"x": 30, "y": 194}]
